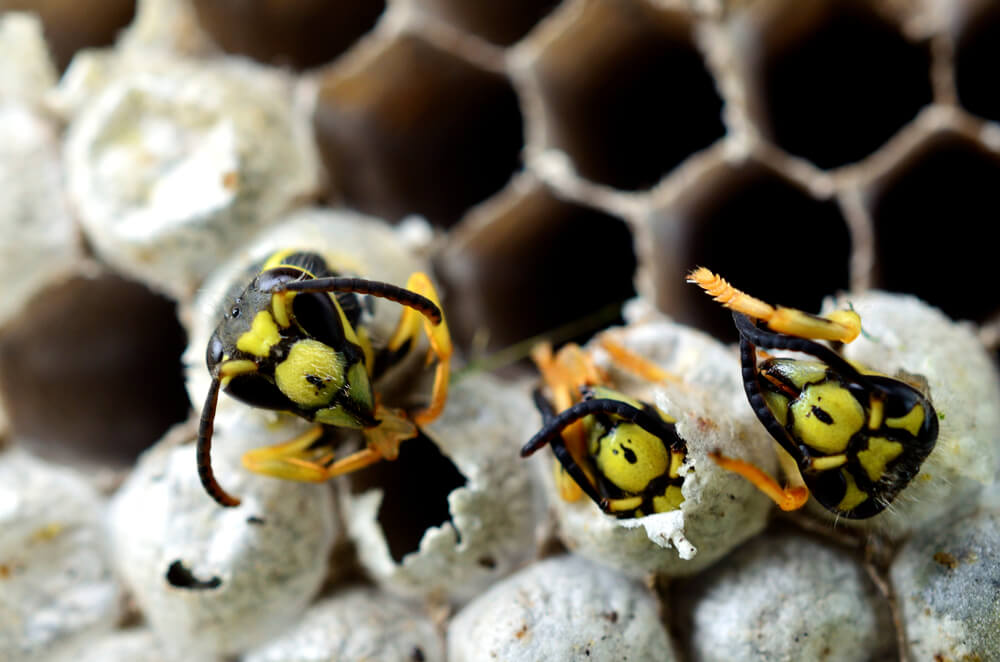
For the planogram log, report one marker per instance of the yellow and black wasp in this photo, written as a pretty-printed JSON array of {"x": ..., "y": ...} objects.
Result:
[
  {"x": 294, "y": 340},
  {"x": 623, "y": 453},
  {"x": 851, "y": 437}
]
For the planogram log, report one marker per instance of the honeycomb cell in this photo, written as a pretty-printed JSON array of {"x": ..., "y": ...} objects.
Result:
[
  {"x": 762, "y": 232},
  {"x": 977, "y": 50},
  {"x": 299, "y": 34},
  {"x": 932, "y": 214},
  {"x": 533, "y": 263},
  {"x": 413, "y": 129},
  {"x": 837, "y": 79},
  {"x": 626, "y": 94},
  {"x": 71, "y": 26},
  {"x": 415, "y": 493},
  {"x": 501, "y": 23},
  {"x": 91, "y": 369}
]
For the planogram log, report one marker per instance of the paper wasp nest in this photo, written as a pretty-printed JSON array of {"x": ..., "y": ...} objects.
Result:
[{"x": 566, "y": 156}]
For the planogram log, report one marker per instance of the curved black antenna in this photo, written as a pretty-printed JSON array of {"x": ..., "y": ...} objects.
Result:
[
  {"x": 375, "y": 288},
  {"x": 770, "y": 340},
  {"x": 552, "y": 430},
  {"x": 203, "y": 449}
]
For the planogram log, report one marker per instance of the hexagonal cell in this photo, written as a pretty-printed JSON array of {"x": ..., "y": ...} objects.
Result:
[
  {"x": 977, "y": 50},
  {"x": 299, "y": 34},
  {"x": 91, "y": 370},
  {"x": 71, "y": 26},
  {"x": 627, "y": 94},
  {"x": 835, "y": 78},
  {"x": 413, "y": 129},
  {"x": 534, "y": 264},
  {"x": 932, "y": 213},
  {"x": 501, "y": 23},
  {"x": 763, "y": 233}
]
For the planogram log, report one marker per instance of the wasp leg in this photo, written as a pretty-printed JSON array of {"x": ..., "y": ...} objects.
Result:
[
  {"x": 291, "y": 460},
  {"x": 564, "y": 374},
  {"x": 791, "y": 497},
  {"x": 840, "y": 325},
  {"x": 393, "y": 429},
  {"x": 383, "y": 442},
  {"x": 439, "y": 337},
  {"x": 632, "y": 362}
]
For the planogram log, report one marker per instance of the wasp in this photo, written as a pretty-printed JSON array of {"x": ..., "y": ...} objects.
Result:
[
  {"x": 294, "y": 340},
  {"x": 624, "y": 454},
  {"x": 851, "y": 437}
]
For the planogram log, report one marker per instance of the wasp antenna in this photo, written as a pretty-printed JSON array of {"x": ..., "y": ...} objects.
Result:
[
  {"x": 203, "y": 449},
  {"x": 729, "y": 296}
]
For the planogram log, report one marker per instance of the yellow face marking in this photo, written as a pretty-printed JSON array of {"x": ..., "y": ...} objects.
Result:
[
  {"x": 778, "y": 404},
  {"x": 262, "y": 336},
  {"x": 826, "y": 416},
  {"x": 619, "y": 505},
  {"x": 676, "y": 460},
  {"x": 876, "y": 412},
  {"x": 611, "y": 394},
  {"x": 911, "y": 422},
  {"x": 853, "y": 496},
  {"x": 801, "y": 373},
  {"x": 311, "y": 374},
  {"x": 828, "y": 462},
  {"x": 630, "y": 457},
  {"x": 879, "y": 453},
  {"x": 671, "y": 500},
  {"x": 280, "y": 303},
  {"x": 337, "y": 416},
  {"x": 360, "y": 387},
  {"x": 230, "y": 368}
]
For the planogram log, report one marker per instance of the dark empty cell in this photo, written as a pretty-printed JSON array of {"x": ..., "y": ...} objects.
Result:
[
  {"x": 631, "y": 115},
  {"x": 418, "y": 131},
  {"x": 976, "y": 56},
  {"x": 934, "y": 220},
  {"x": 70, "y": 25},
  {"x": 837, "y": 90},
  {"x": 502, "y": 23},
  {"x": 300, "y": 34},
  {"x": 544, "y": 265},
  {"x": 415, "y": 489},
  {"x": 764, "y": 235},
  {"x": 92, "y": 369}
]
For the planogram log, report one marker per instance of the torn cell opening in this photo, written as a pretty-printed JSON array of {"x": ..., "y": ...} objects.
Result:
[
  {"x": 933, "y": 214},
  {"x": 837, "y": 80},
  {"x": 627, "y": 94},
  {"x": 91, "y": 370},
  {"x": 764, "y": 234},
  {"x": 415, "y": 488}
]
